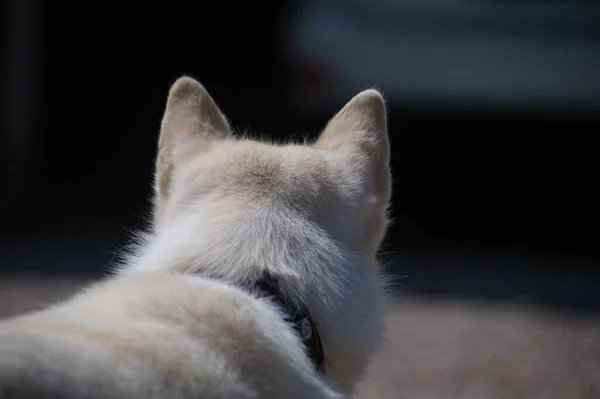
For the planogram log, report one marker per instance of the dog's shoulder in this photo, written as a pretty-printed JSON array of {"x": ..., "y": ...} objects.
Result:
[{"x": 148, "y": 333}]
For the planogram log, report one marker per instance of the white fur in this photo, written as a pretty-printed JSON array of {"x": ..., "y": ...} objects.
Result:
[{"x": 173, "y": 322}]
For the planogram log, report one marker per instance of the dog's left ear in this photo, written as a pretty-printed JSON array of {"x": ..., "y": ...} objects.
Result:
[{"x": 191, "y": 123}]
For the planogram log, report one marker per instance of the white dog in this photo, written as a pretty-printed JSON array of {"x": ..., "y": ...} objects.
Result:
[{"x": 258, "y": 279}]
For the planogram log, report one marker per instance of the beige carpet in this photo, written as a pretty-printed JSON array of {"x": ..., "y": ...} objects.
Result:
[{"x": 442, "y": 349}]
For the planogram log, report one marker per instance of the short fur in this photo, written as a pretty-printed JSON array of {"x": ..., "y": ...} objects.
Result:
[{"x": 175, "y": 322}]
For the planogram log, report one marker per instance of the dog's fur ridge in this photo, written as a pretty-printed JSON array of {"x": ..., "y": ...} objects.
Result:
[{"x": 173, "y": 322}]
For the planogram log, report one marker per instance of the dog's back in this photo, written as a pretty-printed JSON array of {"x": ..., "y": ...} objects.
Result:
[{"x": 151, "y": 335}]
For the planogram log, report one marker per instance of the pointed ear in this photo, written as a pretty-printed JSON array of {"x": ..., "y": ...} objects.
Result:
[
  {"x": 361, "y": 127},
  {"x": 357, "y": 136},
  {"x": 192, "y": 121},
  {"x": 359, "y": 131}
]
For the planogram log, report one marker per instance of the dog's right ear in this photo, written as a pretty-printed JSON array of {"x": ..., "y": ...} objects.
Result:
[
  {"x": 192, "y": 121},
  {"x": 358, "y": 135}
]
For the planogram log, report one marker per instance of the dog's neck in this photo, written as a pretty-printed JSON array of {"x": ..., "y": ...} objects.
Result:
[{"x": 298, "y": 316}]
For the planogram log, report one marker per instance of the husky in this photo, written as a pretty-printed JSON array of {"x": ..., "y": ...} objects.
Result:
[{"x": 258, "y": 277}]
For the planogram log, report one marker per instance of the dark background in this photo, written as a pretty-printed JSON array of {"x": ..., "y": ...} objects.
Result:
[{"x": 494, "y": 202}]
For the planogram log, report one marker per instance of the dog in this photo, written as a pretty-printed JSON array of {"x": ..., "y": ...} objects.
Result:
[{"x": 258, "y": 277}]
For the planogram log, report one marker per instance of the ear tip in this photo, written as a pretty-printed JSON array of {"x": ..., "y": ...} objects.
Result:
[
  {"x": 185, "y": 86},
  {"x": 186, "y": 80},
  {"x": 371, "y": 98},
  {"x": 373, "y": 93}
]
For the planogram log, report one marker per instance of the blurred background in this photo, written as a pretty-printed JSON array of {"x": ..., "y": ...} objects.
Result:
[{"x": 494, "y": 113}]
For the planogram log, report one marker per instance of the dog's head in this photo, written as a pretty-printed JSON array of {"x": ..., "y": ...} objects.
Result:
[{"x": 314, "y": 214}]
